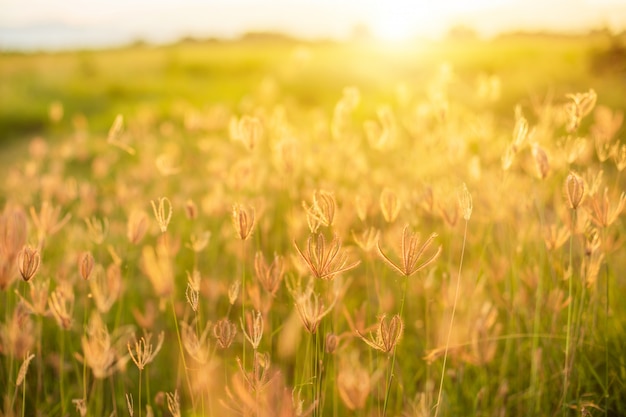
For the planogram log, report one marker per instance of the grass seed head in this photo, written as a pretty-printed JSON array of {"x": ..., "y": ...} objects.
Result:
[
  {"x": 162, "y": 209},
  {"x": 389, "y": 205},
  {"x": 325, "y": 263},
  {"x": 28, "y": 261},
  {"x": 243, "y": 221},
  {"x": 253, "y": 328},
  {"x": 137, "y": 226},
  {"x": 224, "y": 332},
  {"x": 86, "y": 264},
  {"x": 465, "y": 202},
  {"x": 269, "y": 275},
  {"x": 388, "y": 334},
  {"x": 411, "y": 253},
  {"x": 575, "y": 190},
  {"x": 143, "y": 352},
  {"x": 541, "y": 161}
]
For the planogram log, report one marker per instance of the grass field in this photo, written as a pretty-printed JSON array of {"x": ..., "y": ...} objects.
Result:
[{"x": 272, "y": 228}]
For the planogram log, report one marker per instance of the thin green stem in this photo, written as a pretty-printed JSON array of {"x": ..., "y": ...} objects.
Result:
[
  {"x": 182, "y": 352},
  {"x": 62, "y": 372},
  {"x": 393, "y": 358},
  {"x": 566, "y": 367},
  {"x": 140, "y": 373},
  {"x": 456, "y": 296}
]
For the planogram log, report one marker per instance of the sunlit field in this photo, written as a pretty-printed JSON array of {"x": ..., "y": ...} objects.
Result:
[{"x": 275, "y": 228}]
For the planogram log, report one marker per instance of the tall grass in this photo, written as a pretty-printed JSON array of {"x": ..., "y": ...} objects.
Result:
[{"x": 368, "y": 293}]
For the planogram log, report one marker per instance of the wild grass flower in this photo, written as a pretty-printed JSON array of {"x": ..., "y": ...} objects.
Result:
[
  {"x": 411, "y": 253},
  {"x": 224, "y": 332},
  {"x": 248, "y": 130},
  {"x": 520, "y": 133},
  {"x": 331, "y": 342},
  {"x": 555, "y": 237},
  {"x": 198, "y": 242},
  {"x": 233, "y": 292},
  {"x": 102, "y": 350},
  {"x": 367, "y": 239},
  {"x": 137, "y": 226},
  {"x": 17, "y": 335},
  {"x": 167, "y": 165},
  {"x": 362, "y": 205},
  {"x": 61, "y": 304},
  {"x": 353, "y": 383},
  {"x": 86, "y": 264},
  {"x": 143, "y": 352},
  {"x": 106, "y": 287},
  {"x": 253, "y": 328},
  {"x": 157, "y": 265},
  {"x": 21, "y": 374},
  {"x": 601, "y": 212},
  {"x": 619, "y": 157},
  {"x": 322, "y": 262},
  {"x": 309, "y": 306},
  {"x": 81, "y": 407},
  {"x": 192, "y": 297},
  {"x": 243, "y": 221},
  {"x": 541, "y": 161},
  {"x": 173, "y": 403},
  {"x": 322, "y": 211},
  {"x": 13, "y": 232},
  {"x": 38, "y": 303},
  {"x": 47, "y": 220},
  {"x": 162, "y": 209},
  {"x": 196, "y": 344},
  {"x": 580, "y": 105},
  {"x": 389, "y": 205},
  {"x": 388, "y": 334},
  {"x": 260, "y": 375},
  {"x": 270, "y": 275},
  {"x": 606, "y": 124},
  {"x": 465, "y": 202},
  {"x": 574, "y": 190},
  {"x": 98, "y": 229},
  {"x": 191, "y": 209},
  {"x": 28, "y": 261}
]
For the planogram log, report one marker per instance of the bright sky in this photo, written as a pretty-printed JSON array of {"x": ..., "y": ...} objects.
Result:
[{"x": 163, "y": 20}]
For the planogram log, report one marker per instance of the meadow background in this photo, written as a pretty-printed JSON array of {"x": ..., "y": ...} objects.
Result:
[{"x": 296, "y": 175}]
